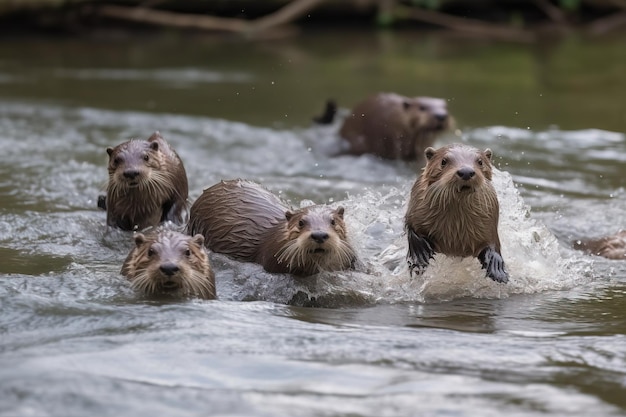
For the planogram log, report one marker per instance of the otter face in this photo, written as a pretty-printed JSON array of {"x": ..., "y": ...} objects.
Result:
[
  {"x": 317, "y": 240},
  {"x": 134, "y": 164},
  {"x": 172, "y": 263},
  {"x": 458, "y": 167},
  {"x": 427, "y": 113}
]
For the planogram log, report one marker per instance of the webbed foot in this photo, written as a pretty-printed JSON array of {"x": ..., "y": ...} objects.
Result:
[{"x": 492, "y": 261}]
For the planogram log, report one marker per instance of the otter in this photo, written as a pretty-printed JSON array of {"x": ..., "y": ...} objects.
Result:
[
  {"x": 392, "y": 126},
  {"x": 147, "y": 184},
  {"x": 244, "y": 220},
  {"x": 169, "y": 262},
  {"x": 454, "y": 209},
  {"x": 610, "y": 247}
]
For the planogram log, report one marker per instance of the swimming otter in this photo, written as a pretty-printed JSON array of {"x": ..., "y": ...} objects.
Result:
[
  {"x": 147, "y": 184},
  {"x": 169, "y": 262},
  {"x": 247, "y": 222},
  {"x": 454, "y": 210},
  {"x": 610, "y": 247},
  {"x": 392, "y": 126}
]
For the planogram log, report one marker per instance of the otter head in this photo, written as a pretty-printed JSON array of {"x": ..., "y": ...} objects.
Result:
[
  {"x": 135, "y": 164},
  {"x": 457, "y": 168},
  {"x": 317, "y": 240},
  {"x": 427, "y": 114},
  {"x": 170, "y": 263}
]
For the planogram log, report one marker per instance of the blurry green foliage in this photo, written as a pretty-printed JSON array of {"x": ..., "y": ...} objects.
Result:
[
  {"x": 570, "y": 5},
  {"x": 427, "y": 4}
]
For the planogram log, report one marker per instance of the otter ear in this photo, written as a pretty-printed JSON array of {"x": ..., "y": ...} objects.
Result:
[
  {"x": 198, "y": 239},
  {"x": 429, "y": 153},
  {"x": 140, "y": 239},
  {"x": 339, "y": 212},
  {"x": 109, "y": 150},
  {"x": 155, "y": 136},
  {"x": 288, "y": 215},
  {"x": 154, "y": 146},
  {"x": 487, "y": 153}
]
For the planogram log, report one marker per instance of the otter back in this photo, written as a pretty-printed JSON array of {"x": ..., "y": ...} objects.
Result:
[
  {"x": 147, "y": 184},
  {"x": 234, "y": 215}
]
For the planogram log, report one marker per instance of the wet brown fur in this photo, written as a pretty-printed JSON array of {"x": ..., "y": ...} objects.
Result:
[
  {"x": 247, "y": 222},
  {"x": 147, "y": 184},
  {"x": 392, "y": 126},
  {"x": 169, "y": 262},
  {"x": 610, "y": 247},
  {"x": 459, "y": 217}
]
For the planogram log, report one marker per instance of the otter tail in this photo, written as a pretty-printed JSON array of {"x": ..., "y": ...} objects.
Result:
[{"x": 328, "y": 116}]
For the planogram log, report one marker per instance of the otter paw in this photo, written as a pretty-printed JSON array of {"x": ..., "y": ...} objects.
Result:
[
  {"x": 420, "y": 252},
  {"x": 492, "y": 261},
  {"x": 102, "y": 202}
]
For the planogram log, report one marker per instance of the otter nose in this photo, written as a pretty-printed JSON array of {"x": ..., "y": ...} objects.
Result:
[
  {"x": 169, "y": 269},
  {"x": 319, "y": 237},
  {"x": 131, "y": 174},
  {"x": 441, "y": 117},
  {"x": 465, "y": 173}
]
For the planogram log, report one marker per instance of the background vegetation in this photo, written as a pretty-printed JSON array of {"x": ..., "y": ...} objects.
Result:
[{"x": 517, "y": 20}]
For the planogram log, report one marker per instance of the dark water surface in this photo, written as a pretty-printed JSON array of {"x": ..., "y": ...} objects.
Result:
[{"x": 75, "y": 340}]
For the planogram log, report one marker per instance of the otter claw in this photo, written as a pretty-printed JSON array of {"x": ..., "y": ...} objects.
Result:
[
  {"x": 420, "y": 252},
  {"x": 493, "y": 263}
]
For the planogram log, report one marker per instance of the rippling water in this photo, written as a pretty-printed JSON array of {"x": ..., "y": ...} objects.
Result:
[{"x": 77, "y": 341}]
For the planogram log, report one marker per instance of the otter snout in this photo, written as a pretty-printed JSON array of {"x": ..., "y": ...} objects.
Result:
[
  {"x": 466, "y": 173},
  {"x": 319, "y": 236},
  {"x": 169, "y": 269},
  {"x": 131, "y": 174},
  {"x": 441, "y": 117}
]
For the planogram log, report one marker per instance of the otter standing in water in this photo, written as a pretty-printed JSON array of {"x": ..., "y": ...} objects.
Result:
[
  {"x": 169, "y": 262},
  {"x": 392, "y": 126},
  {"x": 454, "y": 210},
  {"x": 610, "y": 247},
  {"x": 241, "y": 219},
  {"x": 147, "y": 184}
]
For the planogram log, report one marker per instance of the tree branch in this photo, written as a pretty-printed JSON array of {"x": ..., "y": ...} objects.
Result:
[{"x": 466, "y": 25}]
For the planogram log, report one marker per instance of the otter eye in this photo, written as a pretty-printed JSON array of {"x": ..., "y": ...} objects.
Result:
[
  {"x": 187, "y": 253},
  {"x": 117, "y": 161},
  {"x": 480, "y": 162},
  {"x": 146, "y": 157},
  {"x": 332, "y": 222},
  {"x": 423, "y": 108},
  {"x": 301, "y": 223},
  {"x": 151, "y": 252},
  {"x": 444, "y": 162}
]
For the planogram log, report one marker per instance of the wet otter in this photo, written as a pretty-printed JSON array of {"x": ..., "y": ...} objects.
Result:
[
  {"x": 610, "y": 247},
  {"x": 454, "y": 210},
  {"x": 169, "y": 262},
  {"x": 147, "y": 184},
  {"x": 247, "y": 222},
  {"x": 392, "y": 126}
]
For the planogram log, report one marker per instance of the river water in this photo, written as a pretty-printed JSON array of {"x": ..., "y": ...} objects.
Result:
[{"x": 76, "y": 340}]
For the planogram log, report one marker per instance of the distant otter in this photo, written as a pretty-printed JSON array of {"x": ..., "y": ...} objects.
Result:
[
  {"x": 247, "y": 222},
  {"x": 454, "y": 210},
  {"x": 169, "y": 262},
  {"x": 611, "y": 247},
  {"x": 147, "y": 184},
  {"x": 392, "y": 126}
]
